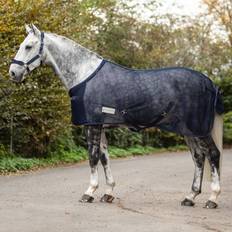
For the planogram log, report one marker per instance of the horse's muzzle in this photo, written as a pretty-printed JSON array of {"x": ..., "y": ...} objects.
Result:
[{"x": 16, "y": 75}]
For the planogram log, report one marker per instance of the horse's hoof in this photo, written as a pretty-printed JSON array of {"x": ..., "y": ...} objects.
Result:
[
  {"x": 187, "y": 202},
  {"x": 107, "y": 198},
  {"x": 86, "y": 199},
  {"x": 210, "y": 205}
]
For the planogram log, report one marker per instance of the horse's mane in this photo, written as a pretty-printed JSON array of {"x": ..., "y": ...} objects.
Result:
[{"x": 72, "y": 43}]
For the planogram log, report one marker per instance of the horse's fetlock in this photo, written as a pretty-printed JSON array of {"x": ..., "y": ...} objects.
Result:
[{"x": 111, "y": 184}]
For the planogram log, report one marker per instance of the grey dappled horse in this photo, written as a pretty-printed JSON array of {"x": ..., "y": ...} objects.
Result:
[{"x": 74, "y": 64}]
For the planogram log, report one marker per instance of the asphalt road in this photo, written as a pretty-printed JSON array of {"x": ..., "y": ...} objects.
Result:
[{"x": 148, "y": 194}]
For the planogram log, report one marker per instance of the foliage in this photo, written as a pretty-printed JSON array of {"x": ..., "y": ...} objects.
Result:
[
  {"x": 35, "y": 116},
  {"x": 228, "y": 128},
  {"x": 38, "y": 110},
  {"x": 16, "y": 163},
  {"x": 225, "y": 84},
  {"x": 221, "y": 11}
]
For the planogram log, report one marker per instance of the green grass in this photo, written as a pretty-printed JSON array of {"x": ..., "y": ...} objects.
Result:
[{"x": 11, "y": 163}]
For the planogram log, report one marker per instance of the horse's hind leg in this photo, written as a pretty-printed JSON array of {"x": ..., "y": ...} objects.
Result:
[
  {"x": 207, "y": 147},
  {"x": 213, "y": 156},
  {"x": 198, "y": 157},
  {"x": 104, "y": 157},
  {"x": 93, "y": 136}
]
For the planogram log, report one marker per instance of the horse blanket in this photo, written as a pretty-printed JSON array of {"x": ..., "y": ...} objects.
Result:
[{"x": 179, "y": 100}]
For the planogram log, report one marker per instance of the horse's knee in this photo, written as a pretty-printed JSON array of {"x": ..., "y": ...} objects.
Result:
[
  {"x": 93, "y": 137},
  {"x": 93, "y": 161},
  {"x": 104, "y": 151},
  {"x": 94, "y": 155},
  {"x": 104, "y": 160}
]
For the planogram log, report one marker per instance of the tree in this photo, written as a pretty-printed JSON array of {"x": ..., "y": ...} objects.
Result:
[
  {"x": 38, "y": 113},
  {"x": 39, "y": 108},
  {"x": 221, "y": 10}
]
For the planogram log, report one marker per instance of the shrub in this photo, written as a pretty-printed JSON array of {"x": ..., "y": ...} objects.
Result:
[{"x": 228, "y": 128}]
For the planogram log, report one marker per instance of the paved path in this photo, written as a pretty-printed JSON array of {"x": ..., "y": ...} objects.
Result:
[{"x": 148, "y": 194}]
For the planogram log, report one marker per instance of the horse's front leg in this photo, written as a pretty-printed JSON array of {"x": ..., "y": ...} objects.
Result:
[
  {"x": 104, "y": 157},
  {"x": 93, "y": 137}
]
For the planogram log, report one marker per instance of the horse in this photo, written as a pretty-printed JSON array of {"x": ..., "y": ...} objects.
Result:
[{"x": 194, "y": 108}]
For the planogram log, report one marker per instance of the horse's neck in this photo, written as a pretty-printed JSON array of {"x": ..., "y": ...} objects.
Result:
[{"x": 71, "y": 62}]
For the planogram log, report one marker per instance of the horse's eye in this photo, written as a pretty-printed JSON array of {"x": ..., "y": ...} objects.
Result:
[{"x": 28, "y": 47}]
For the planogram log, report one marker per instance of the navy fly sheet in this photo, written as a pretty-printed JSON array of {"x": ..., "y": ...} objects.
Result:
[{"x": 179, "y": 100}]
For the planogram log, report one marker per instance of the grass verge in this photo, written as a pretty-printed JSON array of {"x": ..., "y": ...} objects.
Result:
[{"x": 13, "y": 164}]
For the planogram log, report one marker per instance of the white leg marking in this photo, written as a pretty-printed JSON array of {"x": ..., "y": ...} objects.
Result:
[
  {"x": 93, "y": 182},
  {"x": 109, "y": 180},
  {"x": 106, "y": 165},
  {"x": 215, "y": 186},
  {"x": 196, "y": 184}
]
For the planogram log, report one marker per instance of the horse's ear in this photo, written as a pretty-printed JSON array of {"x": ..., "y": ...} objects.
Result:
[
  {"x": 35, "y": 30},
  {"x": 28, "y": 28}
]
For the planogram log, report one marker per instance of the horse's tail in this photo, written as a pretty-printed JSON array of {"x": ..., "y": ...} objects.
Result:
[{"x": 217, "y": 135}]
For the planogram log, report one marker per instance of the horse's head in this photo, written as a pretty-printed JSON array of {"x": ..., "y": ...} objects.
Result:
[{"x": 29, "y": 54}]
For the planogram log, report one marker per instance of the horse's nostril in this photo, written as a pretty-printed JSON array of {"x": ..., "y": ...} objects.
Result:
[{"x": 12, "y": 73}]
